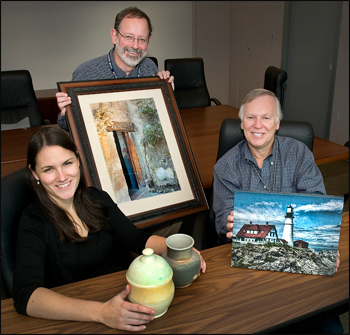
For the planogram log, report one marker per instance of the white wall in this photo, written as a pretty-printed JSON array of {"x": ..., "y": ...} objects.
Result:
[
  {"x": 255, "y": 52},
  {"x": 51, "y": 38},
  {"x": 213, "y": 23},
  {"x": 339, "y": 132},
  {"x": 233, "y": 38}
]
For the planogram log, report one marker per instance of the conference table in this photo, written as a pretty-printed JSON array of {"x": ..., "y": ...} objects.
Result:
[
  {"x": 202, "y": 126},
  {"x": 222, "y": 300}
]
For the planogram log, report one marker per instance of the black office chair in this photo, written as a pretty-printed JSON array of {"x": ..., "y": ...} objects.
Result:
[
  {"x": 15, "y": 196},
  {"x": 154, "y": 59},
  {"x": 18, "y": 99},
  {"x": 274, "y": 81},
  {"x": 190, "y": 86},
  {"x": 230, "y": 135}
]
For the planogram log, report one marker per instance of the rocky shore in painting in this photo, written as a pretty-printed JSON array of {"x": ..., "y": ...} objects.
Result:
[{"x": 276, "y": 257}]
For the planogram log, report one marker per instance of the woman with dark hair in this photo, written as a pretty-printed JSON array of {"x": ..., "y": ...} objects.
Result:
[{"x": 71, "y": 232}]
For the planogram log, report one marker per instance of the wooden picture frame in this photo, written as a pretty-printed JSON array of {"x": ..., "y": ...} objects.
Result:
[{"x": 133, "y": 145}]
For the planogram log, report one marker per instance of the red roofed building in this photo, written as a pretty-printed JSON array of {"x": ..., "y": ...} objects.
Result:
[
  {"x": 257, "y": 233},
  {"x": 301, "y": 244}
]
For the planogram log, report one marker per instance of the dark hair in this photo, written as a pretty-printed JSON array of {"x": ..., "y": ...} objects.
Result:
[
  {"x": 91, "y": 213},
  {"x": 132, "y": 12}
]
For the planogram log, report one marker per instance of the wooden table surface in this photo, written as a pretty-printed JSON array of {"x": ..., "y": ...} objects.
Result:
[
  {"x": 326, "y": 151},
  {"x": 223, "y": 300},
  {"x": 202, "y": 127}
]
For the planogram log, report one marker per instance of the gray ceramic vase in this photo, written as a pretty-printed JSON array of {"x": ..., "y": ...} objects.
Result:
[{"x": 185, "y": 262}]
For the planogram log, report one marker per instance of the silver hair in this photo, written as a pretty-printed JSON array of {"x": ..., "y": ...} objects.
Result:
[{"x": 259, "y": 92}]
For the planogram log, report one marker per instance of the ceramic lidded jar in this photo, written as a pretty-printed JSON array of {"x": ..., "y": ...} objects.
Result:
[
  {"x": 151, "y": 282},
  {"x": 185, "y": 262}
]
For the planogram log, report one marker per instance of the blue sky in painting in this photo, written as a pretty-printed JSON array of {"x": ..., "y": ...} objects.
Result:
[{"x": 317, "y": 218}]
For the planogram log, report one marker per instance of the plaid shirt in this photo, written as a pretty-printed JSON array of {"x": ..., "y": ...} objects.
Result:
[{"x": 296, "y": 172}]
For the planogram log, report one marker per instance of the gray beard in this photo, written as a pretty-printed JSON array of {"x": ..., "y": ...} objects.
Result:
[{"x": 127, "y": 59}]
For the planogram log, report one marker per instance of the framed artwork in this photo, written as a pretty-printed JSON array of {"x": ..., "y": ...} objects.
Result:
[
  {"x": 133, "y": 145},
  {"x": 297, "y": 233}
]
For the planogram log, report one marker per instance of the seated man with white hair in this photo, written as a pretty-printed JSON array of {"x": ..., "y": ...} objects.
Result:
[{"x": 265, "y": 162}]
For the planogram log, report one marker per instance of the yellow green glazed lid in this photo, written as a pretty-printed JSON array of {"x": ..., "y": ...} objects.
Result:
[{"x": 149, "y": 270}]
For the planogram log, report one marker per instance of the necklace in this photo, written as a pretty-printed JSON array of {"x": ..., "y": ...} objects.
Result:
[
  {"x": 112, "y": 69},
  {"x": 274, "y": 173}
]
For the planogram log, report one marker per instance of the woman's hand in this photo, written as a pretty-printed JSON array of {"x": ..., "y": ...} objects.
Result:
[
  {"x": 62, "y": 101},
  {"x": 124, "y": 315},
  {"x": 229, "y": 225},
  {"x": 203, "y": 264}
]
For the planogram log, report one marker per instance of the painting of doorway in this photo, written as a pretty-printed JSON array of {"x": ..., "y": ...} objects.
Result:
[{"x": 133, "y": 145}]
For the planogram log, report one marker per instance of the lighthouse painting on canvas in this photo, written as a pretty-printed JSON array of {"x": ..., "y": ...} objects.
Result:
[{"x": 296, "y": 233}]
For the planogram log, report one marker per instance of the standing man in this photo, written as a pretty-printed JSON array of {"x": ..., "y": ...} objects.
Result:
[{"x": 131, "y": 35}]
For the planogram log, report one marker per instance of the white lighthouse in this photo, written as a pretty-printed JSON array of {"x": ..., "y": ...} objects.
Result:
[{"x": 288, "y": 226}]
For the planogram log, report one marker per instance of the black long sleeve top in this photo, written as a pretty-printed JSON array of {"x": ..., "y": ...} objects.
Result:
[{"x": 43, "y": 261}]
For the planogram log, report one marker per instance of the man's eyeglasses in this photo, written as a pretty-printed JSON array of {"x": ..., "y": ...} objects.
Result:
[{"x": 129, "y": 38}]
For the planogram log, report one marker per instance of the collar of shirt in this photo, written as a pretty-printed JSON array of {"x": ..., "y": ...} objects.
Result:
[
  {"x": 119, "y": 72},
  {"x": 250, "y": 158}
]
